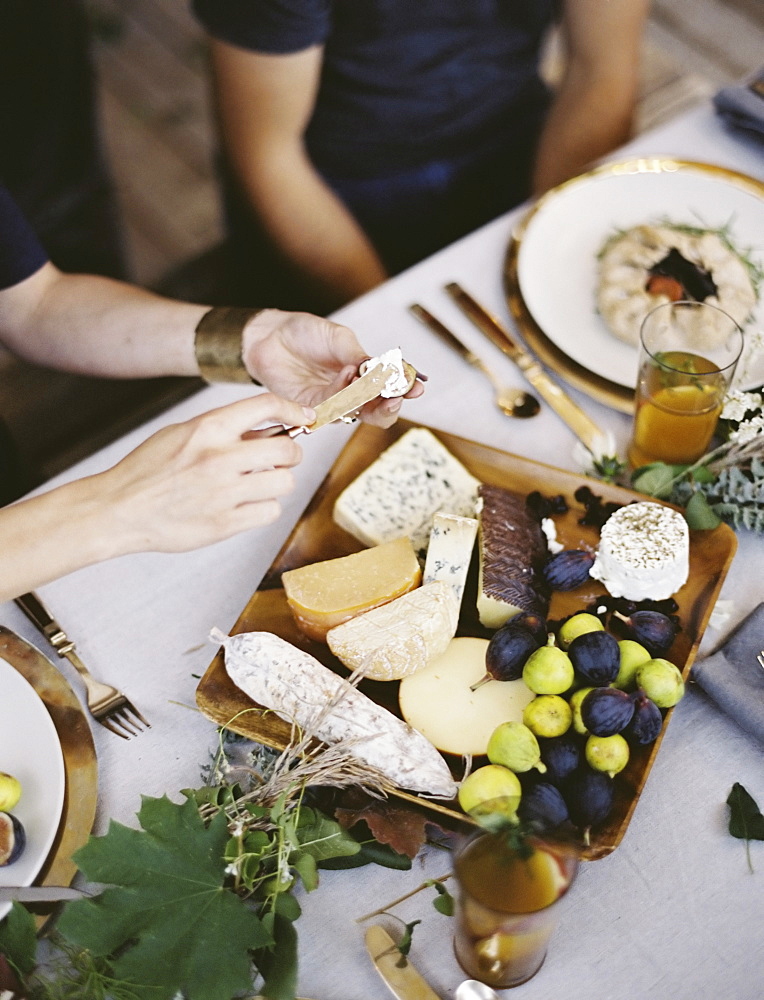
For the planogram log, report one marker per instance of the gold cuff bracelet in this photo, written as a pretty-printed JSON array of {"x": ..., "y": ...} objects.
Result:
[{"x": 218, "y": 344}]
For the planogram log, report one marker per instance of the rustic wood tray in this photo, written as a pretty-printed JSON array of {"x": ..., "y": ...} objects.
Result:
[{"x": 316, "y": 537}]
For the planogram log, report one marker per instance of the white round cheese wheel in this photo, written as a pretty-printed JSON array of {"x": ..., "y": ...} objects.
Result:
[{"x": 437, "y": 700}]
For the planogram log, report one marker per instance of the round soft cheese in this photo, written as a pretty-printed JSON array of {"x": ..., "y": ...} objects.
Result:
[
  {"x": 644, "y": 552},
  {"x": 437, "y": 700}
]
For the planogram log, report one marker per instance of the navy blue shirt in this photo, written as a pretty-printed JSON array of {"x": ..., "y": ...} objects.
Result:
[
  {"x": 404, "y": 82},
  {"x": 21, "y": 253}
]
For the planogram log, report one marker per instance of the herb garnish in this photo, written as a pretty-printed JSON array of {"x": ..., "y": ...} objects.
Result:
[{"x": 746, "y": 821}]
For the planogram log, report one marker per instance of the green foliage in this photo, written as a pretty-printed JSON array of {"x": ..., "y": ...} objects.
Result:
[
  {"x": 699, "y": 514},
  {"x": 169, "y": 920},
  {"x": 18, "y": 940},
  {"x": 444, "y": 901},
  {"x": 746, "y": 821}
]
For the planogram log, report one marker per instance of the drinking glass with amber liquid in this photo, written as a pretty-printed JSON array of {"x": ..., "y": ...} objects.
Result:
[
  {"x": 687, "y": 358},
  {"x": 507, "y": 904}
]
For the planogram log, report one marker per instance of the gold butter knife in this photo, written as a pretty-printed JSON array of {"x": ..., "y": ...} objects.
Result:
[
  {"x": 399, "y": 974},
  {"x": 345, "y": 402},
  {"x": 582, "y": 425}
]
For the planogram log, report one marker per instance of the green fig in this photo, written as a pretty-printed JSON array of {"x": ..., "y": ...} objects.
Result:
[
  {"x": 548, "y": 670},
  {"x": 633, "y": 655},
  {"x": 575, "y": 706},
  {"x": 513, "y": 745},
  {"x": 607, "y": 753},
  {"x": 548, "y": 715},
  {"x": 661, "y": 681},
  {"x": 491, "y": 790},
  {"x": 577, "y": 625},
  {"x": 10, "y": 792}
]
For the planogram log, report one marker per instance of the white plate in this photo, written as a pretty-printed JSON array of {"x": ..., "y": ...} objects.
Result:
[
  {"x": 557, "y": 258},
  {"x": 30, "y": 750}
]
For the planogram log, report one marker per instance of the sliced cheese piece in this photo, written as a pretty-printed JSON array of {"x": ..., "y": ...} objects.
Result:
[
  {"x": 324, "y": 594},
  {"x": 437, "y": 700},
  {"x": 305, "y": 693},
  {"x": 450, "y": 550},
  {"x": 513, "y": 549},
  {"x": 403, "y": 488},
  {"x": 398, "y": 638}
]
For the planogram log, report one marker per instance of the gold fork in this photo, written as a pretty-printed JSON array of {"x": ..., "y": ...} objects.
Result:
[{"x": 106, "y": 704}]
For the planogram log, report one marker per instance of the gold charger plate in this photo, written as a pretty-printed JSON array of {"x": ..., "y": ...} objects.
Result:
[
  {"x": 589, "y": 233},
  {"x": 80, "y": 764},
  {"x": 316, "y": 537}
]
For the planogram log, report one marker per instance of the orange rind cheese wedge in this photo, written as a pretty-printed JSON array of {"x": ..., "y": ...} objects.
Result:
[{"x": 325, "y": 594}]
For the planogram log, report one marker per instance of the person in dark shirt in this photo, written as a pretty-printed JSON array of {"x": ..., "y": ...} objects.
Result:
[
  {"x": 363, "y": 135},
  {"x": 192, "y": 483}
]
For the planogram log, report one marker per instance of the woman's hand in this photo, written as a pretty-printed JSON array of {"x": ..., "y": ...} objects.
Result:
[
  {"x": 204, "y": 480},
  {"x": 308, "y": 358}
]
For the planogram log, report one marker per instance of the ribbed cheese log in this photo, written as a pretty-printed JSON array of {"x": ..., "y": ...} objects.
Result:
[
  {"x": 298, "y": 688},
  {"x": 512, "y": 551},
  {"x": 400, "y": 637},
  {"x": 450, "y": 550},
  {"x": 437, "y": 701},
  {"x": 325, "y": 594},
  {"x": 403, "y": 488}
]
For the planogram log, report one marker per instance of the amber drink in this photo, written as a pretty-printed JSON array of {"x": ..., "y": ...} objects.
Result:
[
  {"x": 687, "y": 360},
  {"x": 507, "y": 906}
]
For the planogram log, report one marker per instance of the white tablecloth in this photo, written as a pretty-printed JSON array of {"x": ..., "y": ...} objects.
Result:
[{"x": 674, "y": 911}]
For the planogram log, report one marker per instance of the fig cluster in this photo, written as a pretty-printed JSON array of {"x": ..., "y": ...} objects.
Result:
[
  {"x": 12, "y": 833},
  {"x": 598, "y": 700}
]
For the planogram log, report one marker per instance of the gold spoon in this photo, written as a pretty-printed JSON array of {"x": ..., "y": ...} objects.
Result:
[{"x": 513, "y": 402}]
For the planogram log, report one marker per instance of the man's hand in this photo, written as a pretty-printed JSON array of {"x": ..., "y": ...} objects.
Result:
[{"x": 308, "y": 359}]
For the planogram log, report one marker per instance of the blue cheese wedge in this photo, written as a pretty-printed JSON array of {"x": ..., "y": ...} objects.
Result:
[
  {"x": 403, "y": 489},
  {"x": 398, "y": 638},
  {"x": 305, "y": 693},
  {"x": 452, "y": 540}
]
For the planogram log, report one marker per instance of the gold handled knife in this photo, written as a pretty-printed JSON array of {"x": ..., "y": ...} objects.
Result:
[
  {"x": 354, "y": 396},
  {"x": 399, "y": 974},
  {"x": 582, "y": 425}
]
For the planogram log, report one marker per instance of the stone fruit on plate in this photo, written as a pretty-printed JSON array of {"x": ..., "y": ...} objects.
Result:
[
  {"x": 646, "y": 722},
  {"x": 549, "y": 670},
  {"x": 606, "y": 711},
  {"x": 513, "y": 745},
  {"x": 578, "y": 625},
  {"x": 632, "y": 655},
  {"x": 595, "y": 657},
  {"x": 568, "y": 569},
  {"x": 589, "y": 797},
  {"x": 654, "y": 630},
  {"x": 607, "y": 753},
  {"x": 548, "y": 715},
  {"x": 561, "y": 755},
  {"x": 13, "y": 838},
  {"x": 661, "y": 681},
  {"x": 512, "y": 549},
  {"x": 491, "y": 789},
  {"x": 10, "y": 791},
  {"x": 439, "y": 702},
  {"x": 508, "y": 649},
  {"x": 543, "y": 806}
]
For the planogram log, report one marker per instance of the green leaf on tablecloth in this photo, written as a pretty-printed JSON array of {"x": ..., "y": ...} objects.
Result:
[
  {"x": 18, "y": 939},
  {"x": 169, "y": 924},
  {"x": 746, "y": 821},
  {"x": 699, "y": 515},
  {"x": 444, "y": 901},
  {"x": 278, "y": 965},
  {"x": 404, "y": 945}
]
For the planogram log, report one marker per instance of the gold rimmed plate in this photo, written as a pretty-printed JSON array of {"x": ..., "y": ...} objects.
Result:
[
  {"x": 79, "y": 762},
  {"x": 316, "y": 537},
  {"x": 551, "y": 265}
]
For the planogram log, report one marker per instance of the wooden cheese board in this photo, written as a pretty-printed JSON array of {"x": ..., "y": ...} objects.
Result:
[{"x": 317, "y": 537}]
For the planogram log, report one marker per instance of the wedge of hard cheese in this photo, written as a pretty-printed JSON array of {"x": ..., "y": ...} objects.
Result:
[
  {"x": 400, "y": 637},
  {"x": 513, "y": 549},
  {"x": 325, "y": 594},
  {"x": 305, "y": 693},
  {"x": 403, "y": 488}
]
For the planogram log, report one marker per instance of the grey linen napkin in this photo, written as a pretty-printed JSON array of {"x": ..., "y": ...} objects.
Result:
[
  {"x": 742, "y": 105},
  {"x": 733, "y": 677}
]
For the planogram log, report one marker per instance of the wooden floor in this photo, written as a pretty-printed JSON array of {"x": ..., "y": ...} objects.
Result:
[{"x": 160, "y": 140}]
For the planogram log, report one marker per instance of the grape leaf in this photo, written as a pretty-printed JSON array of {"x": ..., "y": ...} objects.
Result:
[
  {"x": 169, "y": 922},
  {"x": 279, "y": 965},
  {"x": 746, "y": 821},
  {"x": 699, "y": 514},
  {"x": 656, "y": 479},
  {"x": 18, "y": 940}
]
